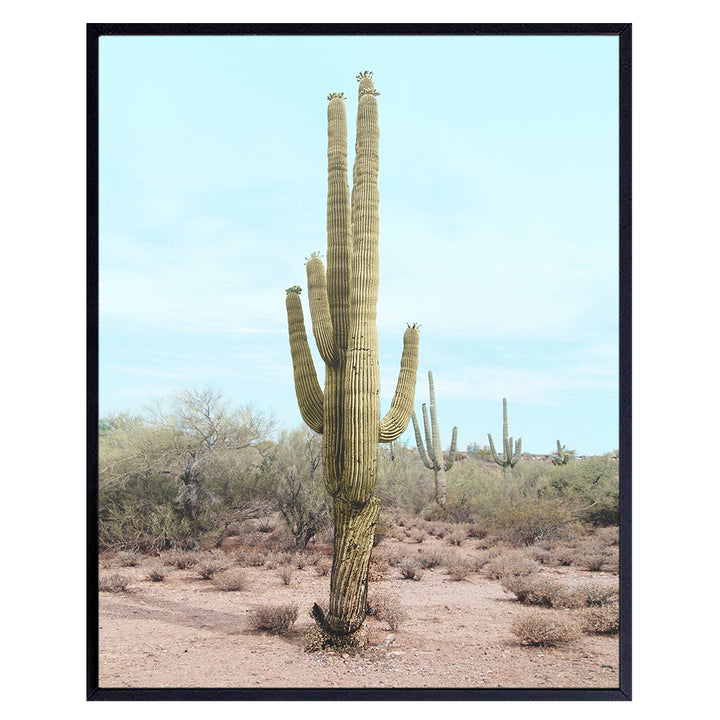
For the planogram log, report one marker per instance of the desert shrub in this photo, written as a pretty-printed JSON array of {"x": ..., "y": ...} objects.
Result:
[
  {"x": 513, "y": 562},
  {"x": 592, "y": 562},
  {"x": 323, "y": 566},
  {"x": 544, "y": 628},
  {"x": 456, "y": 536},
  {"x": 417, "y": 535},
  {"x": 156, "y": 575},
  {"x": 266, "y": 525},
  {"x": 113, "y": 583},
  {"x": 479, "y": 560},
  {"x": 182, "y": 560},
  {"x": 536, "y": 589},
  {"x": 300, "y": 493},
  {"x": 251, "y": 558},
  {"x": 278, "y": 559},
  {"x": 565, "y": 556},
  {"x": 459, "y": 570},
  {"x": 129, "y": 558},
  {"x": 410, "y": 568},
  {"x": 593, "y": 593},
  {"x": 285, "y": 573},
  {"x": 602, "y": 620},
  {"x": 543, "y": 555},
  {"x": 209, "y": 567},
  {"x": 382, "y": 530},
  {"x": 432, "y": 557},
  {"x": 232, "y": 580},
  {"x": 378, "y": 569},
  {"x": 609, "y": 535},
  {"x": 275, "y": 619},
  {"x": 475, "y": 530},
  {"x": 385, "y": 605},
  {"x": 525, "y": 520}
]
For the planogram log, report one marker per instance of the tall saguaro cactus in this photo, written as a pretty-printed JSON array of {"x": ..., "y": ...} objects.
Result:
[
  {"x": 343, "y": 304},
  {"x": 509, "y": 460},
  {"x": 433, "y": 458}
]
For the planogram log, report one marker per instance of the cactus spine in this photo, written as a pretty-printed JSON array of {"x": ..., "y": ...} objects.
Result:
[
  {"x": 343, "y": 305},
  {"x": 509, "y": 460},
  {"x": 433, "y": 458}
]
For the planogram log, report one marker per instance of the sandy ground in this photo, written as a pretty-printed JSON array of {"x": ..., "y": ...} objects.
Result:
[{"x": 183, "y": 632}]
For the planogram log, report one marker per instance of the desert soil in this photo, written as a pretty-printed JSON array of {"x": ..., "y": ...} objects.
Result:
[{"x": 184, "y": 632}]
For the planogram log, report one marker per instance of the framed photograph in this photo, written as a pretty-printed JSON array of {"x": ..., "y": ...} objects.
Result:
[{"x": 359, "y": 386}]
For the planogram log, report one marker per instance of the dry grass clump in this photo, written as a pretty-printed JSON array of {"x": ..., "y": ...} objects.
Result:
[
  {"x": 417, "y": 535},
  {"x": 602, "y": 620},
  {"x": 432, "y": 557},
  {"x": 156, "y": 574},
  {"x": 456, "y": 536},
  {"x": 479, "y": 560},
  {"x": 285, "y": 573},
  {"x": 593, "y": 593},
  {"x": 544, "y": 628},
  {"x": 323, "y": 566},
  {"x": 232, "y": 580},
  {"x": 250, "y": 558},
  {"x": 129, "y": 558},
  {"x": 459, "y": 570},
  {"x": 410, "y": 568},
  {"x": 266, "y": 525},
  {"x": 209, "y": 567},
  {"x": 181, "y": 559},
  {"x": 549, "y": 592},
  {"x": 591, "y": 561},
  {"x": 384, "y": 605},
  {"x": 275, "y": 619},
  {"x": 278, "y": 559},
  {"x": 114, "y": 583},
  {"x": 609, "y": 535},
  {"x": 512, "y": 562}
]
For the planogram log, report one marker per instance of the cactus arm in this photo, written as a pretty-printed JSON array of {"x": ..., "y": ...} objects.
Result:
[
  {"x": 395, "y": 422},
  {"x": 307, "y": 388},
  {"x": 518, "y": 452},
  {"x": 453, "y": 449},
  {"x": 420, "y": 446},
  {"x": 339, "y": 234},
  {"x": 436, "y": 444},
  {"x": 320, "y": 311},
  {"x": 492, "y": 449},
  {"x": 428, "y": 435}
]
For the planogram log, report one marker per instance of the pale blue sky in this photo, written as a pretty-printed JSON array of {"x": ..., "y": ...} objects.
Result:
[{"x": 498, "y": 221}]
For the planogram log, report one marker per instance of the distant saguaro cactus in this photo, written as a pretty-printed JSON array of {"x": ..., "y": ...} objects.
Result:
[
  {"x": 433, "y": 458},
  {"x": 562, "y": 456},
  {"x": 509, "y": 460},
  {"x": 343, "y": 310}
]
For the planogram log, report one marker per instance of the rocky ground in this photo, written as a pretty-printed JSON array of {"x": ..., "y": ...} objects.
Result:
[{"x": 185, "y": 632}]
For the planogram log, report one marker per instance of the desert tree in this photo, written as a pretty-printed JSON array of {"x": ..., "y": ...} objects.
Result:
[{"x": 300, "y": 490}]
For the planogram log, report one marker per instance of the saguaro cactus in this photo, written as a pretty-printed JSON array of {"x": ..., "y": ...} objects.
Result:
[
  {"x": 509, "y": 460},
  {"x": 343, "y": 305},
  {"x": 433, "y": 458},
  {"x": 562, "y": 456}
]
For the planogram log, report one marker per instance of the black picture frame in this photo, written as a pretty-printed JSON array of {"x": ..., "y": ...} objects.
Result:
[{"x": 623, "y": 31}]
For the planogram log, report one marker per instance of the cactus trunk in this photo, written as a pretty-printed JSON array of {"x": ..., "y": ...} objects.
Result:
[{"x": 343, "y": 309}]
